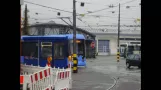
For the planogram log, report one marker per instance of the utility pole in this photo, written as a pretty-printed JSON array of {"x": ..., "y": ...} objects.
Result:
[
  {"x": 118, "y": 40},
  {"x": 20, "y": 31},
  {"x": 21, "y": 3},
  {"x": 75, "y": 61}
]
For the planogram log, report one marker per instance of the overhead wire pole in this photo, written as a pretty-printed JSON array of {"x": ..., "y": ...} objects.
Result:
[
  {"x": 118, "y": 40},
  {"x": 20, "y": 31},
  {"x": 21, "y": 3},
  {"x": 75, "y": 61}
]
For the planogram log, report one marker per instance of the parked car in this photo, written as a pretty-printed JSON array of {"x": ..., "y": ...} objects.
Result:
[{"x": 133, "y": 60}]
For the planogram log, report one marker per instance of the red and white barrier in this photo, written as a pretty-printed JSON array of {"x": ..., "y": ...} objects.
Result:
[
  {"x": 39, "y": 80},
  {"x": 63, "y": 79},
  {"x": 46, "y": 78}
]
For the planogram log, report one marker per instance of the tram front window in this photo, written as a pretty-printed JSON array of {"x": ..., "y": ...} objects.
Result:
[
  {"x": 46, "y": 50},
  {"x": 80, "y": 48},
  {"x": 59, "y": 51}
]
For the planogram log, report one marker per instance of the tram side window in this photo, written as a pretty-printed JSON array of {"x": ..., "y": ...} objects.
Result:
[
  {"x": 59, "y": 51},
  {"x": 46, "y": 50},
  {"x": 30, "y": 49}
]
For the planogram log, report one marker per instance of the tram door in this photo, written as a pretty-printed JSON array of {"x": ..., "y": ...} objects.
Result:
[{"x": 60, "y": 54}]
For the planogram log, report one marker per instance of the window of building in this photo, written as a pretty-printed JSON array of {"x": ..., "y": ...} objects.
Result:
[
  {"x": 132, "y": 39},
  {"x": 129, "y": 38},
  {"x": 135, "y": 42},
  {"x": 122, "y": 38},
  {"x": 138, "y": 39}
]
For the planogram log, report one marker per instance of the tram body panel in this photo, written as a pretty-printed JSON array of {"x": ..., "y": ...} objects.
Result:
[
  {"x": 57, "y": 62},
  {"x": 54, "y": 39}
]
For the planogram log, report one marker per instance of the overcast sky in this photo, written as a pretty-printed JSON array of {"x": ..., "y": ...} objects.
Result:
[{"x": 104, "y": 17}]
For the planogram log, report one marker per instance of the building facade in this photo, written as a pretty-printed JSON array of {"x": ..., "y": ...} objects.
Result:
[{"x": 107, "y": 40}]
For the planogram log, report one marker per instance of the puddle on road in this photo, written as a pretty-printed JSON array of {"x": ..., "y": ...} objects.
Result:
[{"x": 117, "y": 70}]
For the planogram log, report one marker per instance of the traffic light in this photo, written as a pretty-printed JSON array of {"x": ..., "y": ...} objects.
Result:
[
  {"x": 127, "y": 6},
  {"x": 58, "y": 13},
  {"x": 82, "y": 4}
]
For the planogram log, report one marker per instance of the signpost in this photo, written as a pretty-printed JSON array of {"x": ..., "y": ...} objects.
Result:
[
  {"x": 92, "y": 44},
  {"x": 93, "y": 48}
]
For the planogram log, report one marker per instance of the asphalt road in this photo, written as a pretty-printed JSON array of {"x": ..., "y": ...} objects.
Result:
[{"x": 104, "y": 72}]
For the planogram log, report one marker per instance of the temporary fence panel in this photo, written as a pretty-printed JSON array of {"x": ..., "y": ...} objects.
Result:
[
  {"x": 40, "y": 80},
  {"x": 64, "y": 80},
  {"x": 46, "y": 78},
  {"x": 30, "y": 69}
]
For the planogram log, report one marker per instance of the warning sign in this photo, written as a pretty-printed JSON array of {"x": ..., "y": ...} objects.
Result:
[{"x": 92, "y": 44}]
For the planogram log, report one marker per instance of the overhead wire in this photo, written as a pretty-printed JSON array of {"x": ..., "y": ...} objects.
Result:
[
  {"x": 48, "y": 7},
  {"x": 109, "y": 7},
  {"x": 72, "y": 12},
  {"x": 92, "y": 3},
  {"x": 84, "y": 22}
]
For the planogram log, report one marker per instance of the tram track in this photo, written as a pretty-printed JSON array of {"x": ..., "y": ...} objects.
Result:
[
  {"x": 90, "y": 82},
  {"x": 117, "y": 79},
  {"x": 114, "y": 84}
]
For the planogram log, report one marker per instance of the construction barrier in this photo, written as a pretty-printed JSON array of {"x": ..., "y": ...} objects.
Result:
[
  {"x": 45, "y": 78},
  {"x": 75, "y": 63},
  {"x": 118, "y": 56},
  {"x": 40, "y": 80},
  {"x": 63, "y": 79}
]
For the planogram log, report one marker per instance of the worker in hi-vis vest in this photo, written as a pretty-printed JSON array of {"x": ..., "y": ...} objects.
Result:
[
  {"x": 69, "y": 61},
  {"x": 49, "y": 59}
]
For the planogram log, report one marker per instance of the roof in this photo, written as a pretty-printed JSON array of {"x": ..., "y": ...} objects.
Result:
[
  {"x": 61, "y": 25},
  {"x": 78, "y": 36},
  {"x": 67, "y": 36},
  {"x": 48, "y": 37}
]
